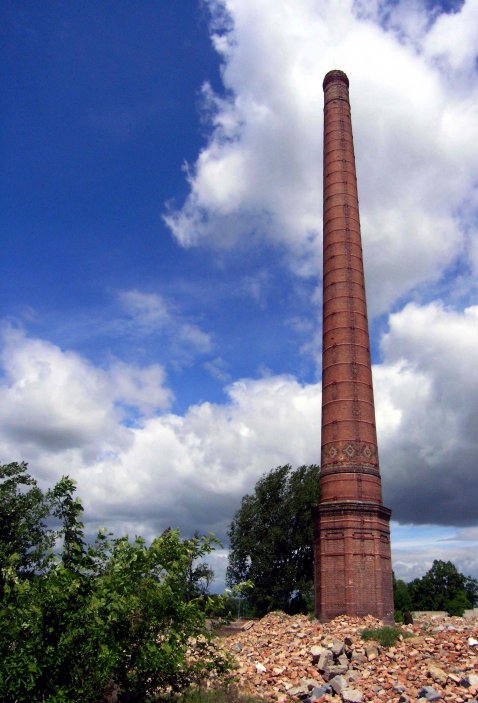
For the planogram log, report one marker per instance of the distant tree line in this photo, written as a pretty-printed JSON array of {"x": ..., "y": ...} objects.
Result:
[
  {"x": 112, "y": 620},
  {"x": 271, "y": 539},
  {"x": 443, "y": 587}
]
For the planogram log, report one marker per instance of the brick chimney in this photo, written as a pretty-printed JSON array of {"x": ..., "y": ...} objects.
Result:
[{"x": 352, "y": 570}]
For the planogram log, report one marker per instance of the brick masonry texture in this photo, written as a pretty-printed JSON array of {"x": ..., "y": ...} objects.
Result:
[{"x": 352, "y": 571}]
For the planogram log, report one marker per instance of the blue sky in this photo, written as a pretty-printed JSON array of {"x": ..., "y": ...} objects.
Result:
[{"x": 161, "y": 268}]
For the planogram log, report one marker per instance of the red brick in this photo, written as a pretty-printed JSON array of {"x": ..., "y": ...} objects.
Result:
[{"x": 352, "y": 535}]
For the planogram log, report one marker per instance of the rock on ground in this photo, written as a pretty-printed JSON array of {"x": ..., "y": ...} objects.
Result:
[{"x": 302, "y": 659}]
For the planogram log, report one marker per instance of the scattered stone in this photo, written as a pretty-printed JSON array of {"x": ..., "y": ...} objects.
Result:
[
  {"x": 299, "y": 691},
  {"x": 291, "y": 668},
  {"x": 310, "y": 684},
  {"x": 315, "y": 653},
  {"x": 248, "y": 625},
  {"x": 337, "y": 647},
  {"x": 351, "y": 695},
  {"x": 429, "y": 693},
  {"x": 320, "y": 691},
  {"x": 372, "y": 652},
  {"x": 454, "y": 678},
  {"x": 260, "y": 667},
  {"x": 338, "y": 683},
  {"x": 343, "y": 660},
  {"x": 472, "y": 642},
  {"x": 471, "y": 680},
  {"x": 358, "y": 657},
  {"x": 334, "y": 670},
  {"x": 437, "y": 674},
  {"x": 326, "y": 659}
]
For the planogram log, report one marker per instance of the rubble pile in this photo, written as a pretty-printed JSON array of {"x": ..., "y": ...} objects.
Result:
[{"x": 290, "y": 658}]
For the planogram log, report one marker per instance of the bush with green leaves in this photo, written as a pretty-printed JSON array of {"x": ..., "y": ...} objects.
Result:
[{"x": 117, "y": 615}]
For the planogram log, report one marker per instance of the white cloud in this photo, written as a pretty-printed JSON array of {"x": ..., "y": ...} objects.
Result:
[
  {"x": 150, "y": 313},
  {"x": 55, "y": 405},
  {"x": 218, "y": 368},
  {"x": 415, "y": 122},
  {"x": 193, "y": 470},
  {"x": 453, "y": 39},
  {"x": 414, "y": 549},
  {"x": 427, "y": 414},
  {"x": 141, "y": 387},
  {"x": 64, "y": 415},
  {"x": 54, "y": 399}
]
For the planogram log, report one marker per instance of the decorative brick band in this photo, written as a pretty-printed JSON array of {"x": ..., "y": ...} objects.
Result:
[
  {"x": 326, "y": 470},
  {"x": 361, "y": 508},
  {"x": 349, "y": 451}
]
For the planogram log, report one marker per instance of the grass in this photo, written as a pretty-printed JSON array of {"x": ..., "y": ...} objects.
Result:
[{"x": 386, "y": 636}]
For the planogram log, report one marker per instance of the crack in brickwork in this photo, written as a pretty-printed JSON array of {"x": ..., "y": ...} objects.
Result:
[{"x": 352, "y": 535}]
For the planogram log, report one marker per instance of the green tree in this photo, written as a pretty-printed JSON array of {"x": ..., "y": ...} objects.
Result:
[
  {"x": 401, "y": 595},
  {"x": 271, "y": 539},
  {"x": 25, "y": 540},
  {"x": 199, "y": 575},
  {"x": 443, "y": 587},
  {"x": 68, "y": 510},
  {"x": 117, "y": 614}
]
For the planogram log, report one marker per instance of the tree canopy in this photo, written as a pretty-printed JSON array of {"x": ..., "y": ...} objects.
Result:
[
  {"x": 24, "y": 536},
  {"x": 443, "y": 587},
  {"x": 114, "y": 617},
  {"x": 271, "y": 539}
]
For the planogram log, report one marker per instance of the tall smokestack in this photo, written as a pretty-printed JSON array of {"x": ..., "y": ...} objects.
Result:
[{"x": 352, "y": 568}]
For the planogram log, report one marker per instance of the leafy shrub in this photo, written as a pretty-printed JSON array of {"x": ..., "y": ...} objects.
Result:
[
  {"x": 117, "y": 615},
  {"x": 386, "y": 636},
  {"x": 458, "y": 604}
]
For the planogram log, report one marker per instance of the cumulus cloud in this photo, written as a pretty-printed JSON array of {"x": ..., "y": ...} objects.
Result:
[
  {"x": 414, "y": 103},
  {"x": 141, "y": 387},
  {"x": 61, "y": 413},
  {"x": 59, "y": 402},
  {"x": 65, "y": 415},
  {"x": 55, "y": 404},
  {"x": 427, "y": 414},
  {"x": 191, "y": 471}
]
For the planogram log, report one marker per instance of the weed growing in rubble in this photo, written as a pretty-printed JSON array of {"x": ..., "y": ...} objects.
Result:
[{"x": 386, "y": 636}]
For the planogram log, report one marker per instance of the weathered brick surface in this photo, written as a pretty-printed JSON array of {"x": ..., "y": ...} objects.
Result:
[{"x": 352, "y": 536}]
